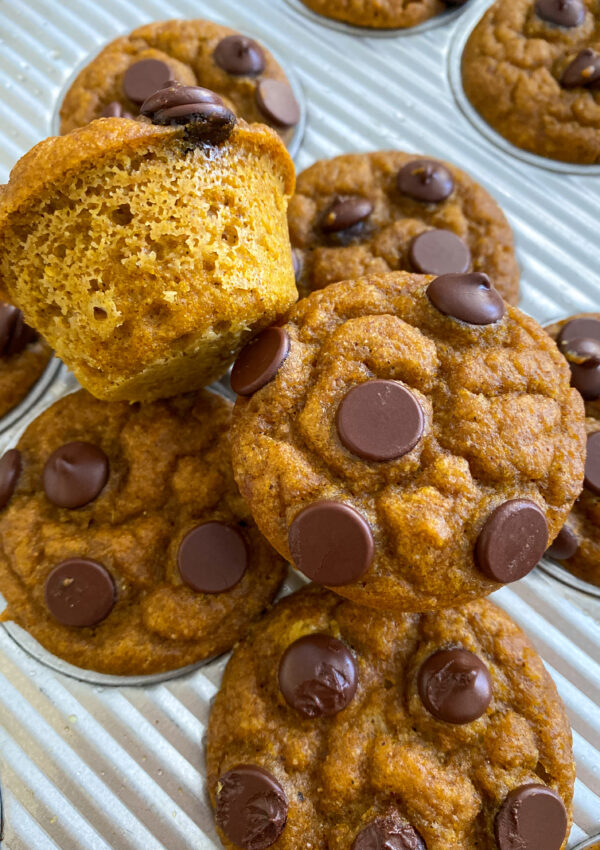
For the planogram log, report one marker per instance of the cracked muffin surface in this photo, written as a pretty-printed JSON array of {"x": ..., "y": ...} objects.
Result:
[
  {"x": 525, "y": 71},
  {"x": 381, "y": 14},
  {"x": 383, "y": 766},
  {"x": 178, "y": 568},
  {"x": 406, "y": 457},
  {"x": 390, "y": 237}
]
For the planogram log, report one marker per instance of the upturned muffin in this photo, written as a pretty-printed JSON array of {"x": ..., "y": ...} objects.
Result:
[{"x": 148, "y": 255}]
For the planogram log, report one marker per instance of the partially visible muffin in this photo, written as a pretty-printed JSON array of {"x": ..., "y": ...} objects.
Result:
[
  {"x": 23, "y": 357},
  {"x": 148, "y": 255},
  {"x": 382, "y": 14},
  {"x": 125, "y": 546}
]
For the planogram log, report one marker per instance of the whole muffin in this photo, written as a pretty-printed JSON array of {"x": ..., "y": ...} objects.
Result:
[
  {"x": 148, "y": 255},
  {"x": 531, "y": 68},
  {"x": 382, "y": 14},
  {"x": 195, "y": 52},
  {"x": 371, "y": 213},
  {"x": 125, "y": 546},
  {"x": 337, "y": 726},
  {"x": 23, "y": 357},
  {"x": 577, "y": 547},
  {"x": 410, "y": 441}
]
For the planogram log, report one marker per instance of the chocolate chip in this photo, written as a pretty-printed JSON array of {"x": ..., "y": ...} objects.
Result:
[
  {"x": 80, "y": 592},
  {"x": 115, "y": 110},
  {"x": 75, "y": 474},
  {"x": 380, "y": 420},
  {"x": 565, "y": 545},
  {"x": 455, "y": 686},
  {"x": 259, "y": 361},
  {"x": 563, "y": 13},
  {"x": 532, "y": 817},
  {"x": 425, "y": 180},
  {"x": 207, "y": 119},
  {"x": 10, "y": 470},
  {"x": 143, "y": 78},
  {"x": 388, "y": 833},
  {"x": 469, "y": 297},
  {"x": 240, "y": 55},
  {"x": 212, "y": 557},
  {"x": 15, "y": 335},
  {"x": 583, "y": 355},
  {"x": 582, "y": 328},
  {"x": 512, "y": 541},
  {"x": 331, "y": 543},
  {"x": 252, "y": 807},
  {"x": 584, "y": 71},
  {"x": 439, "y": 252},
  {"x": 318, "y": 675},
  {"x": 344, "y": 213},
  {"x": 278, "y": 103},
  {"x": 592, "y": 464}
]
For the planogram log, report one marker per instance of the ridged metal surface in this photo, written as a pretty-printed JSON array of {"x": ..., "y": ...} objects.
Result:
[{"x": 88, "y": 766}]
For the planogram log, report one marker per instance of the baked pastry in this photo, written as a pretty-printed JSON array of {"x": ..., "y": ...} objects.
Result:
[
  {"x": 410, "y": 441},
  {"x": 577, "y": 546},
  {"x": 23, "y": 357},
  {"x": 125, "y": 546},
  {"x": 531, "y": 68},
  {"x": 195, "y": 52},
  {"x": 382, "y": 14},
  {"x": 148, "y": 255},
  {"x": 341, "y": 727},
  {"x": 371, "y": 213}
]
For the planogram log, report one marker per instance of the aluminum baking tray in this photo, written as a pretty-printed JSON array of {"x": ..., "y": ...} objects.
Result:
[{"x": 88, "y": 765}]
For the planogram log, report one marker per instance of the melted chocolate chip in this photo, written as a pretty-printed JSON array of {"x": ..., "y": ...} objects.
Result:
[
  {"x": 470, "y": 298},
  {"x": 532, "y": 817},
  {"x": 565, "y": 545},
  {"x": 331, "y": 543},
  {"x": 10, "y": 470},
  {"x": 562, "y": 13},
  {"x": 582, "y": 328},
  {"x": 277, "y": 102},
  {"x": 212, "y": 557},
  {"x": 318, "y": 675},
  {"x": 80, "y": 593},
  {"x": 144, "y": 78},
  {"x": 240, "y": 55},
  {"x": 380, "y": 420},
  {"x": 592, "y": 464},
  {"x": 15, "y": 335},
  {"x": 345, "y": 213},
  {"x": 583, "y": 71},
  {"x": 388, "y": 833},
  {"x": 583, "y": 355},
  {"x": 259, "y": 361},
  {"x": 512, "y": 541},
  {"x": 206, "y": 117},
  {"x": 75, "y": 474},
  {"x": 455, "y": 686},
  {"x": 439, "y": 252},
  {"x": 425, "y": 180},
  {"x": 115, "y": 110},
  {"x": 252, "y": 807}
]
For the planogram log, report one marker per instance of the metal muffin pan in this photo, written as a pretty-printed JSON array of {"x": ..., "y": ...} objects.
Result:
[{"x": 90, "y": 766}]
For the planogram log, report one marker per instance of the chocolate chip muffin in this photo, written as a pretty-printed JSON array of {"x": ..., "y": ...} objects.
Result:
[
  {"x": 382, "y": 14},
  {"x": 577, "y": 547},
  {"x": 410, "y": 441},
  {"x": 125, "y": 546},
  {"x": 531, "y": 68},
  {"x": 147, "y": 254},
  {"x": 23, "y": 357},
  {"x": 372, "y": 213},
  {"x": 337, "y": 726},
  {"x": 195, "y": 52}
]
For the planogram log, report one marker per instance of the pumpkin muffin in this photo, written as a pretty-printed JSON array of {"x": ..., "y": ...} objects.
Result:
[
  {"x": 371, "y": 213},
  {"x": 148, "y": 254},
  {"x": 23, "y": 358},
  {"x": 196, "y": 53},
  {"x": 341, "y": 727},
  {"x": 577, "y": 547},
  {"x": 382, "y": 14},
  {"x": 531, "y": 68},
  {"x": 412, "y": 442},
  {"x": 125, "y": 546}
]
